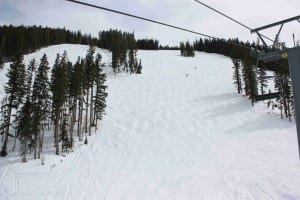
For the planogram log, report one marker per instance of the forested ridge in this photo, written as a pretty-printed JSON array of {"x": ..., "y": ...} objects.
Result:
[{"x": 26, "y": 39}]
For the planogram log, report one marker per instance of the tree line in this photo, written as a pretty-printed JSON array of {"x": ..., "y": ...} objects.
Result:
[
  {"x": 26, "y": 39},
  {"x": 23, "y": 39},
  {"x": 69, "y": 100}
]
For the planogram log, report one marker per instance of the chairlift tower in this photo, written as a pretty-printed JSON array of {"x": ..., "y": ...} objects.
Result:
[{"x": 280, "y": 52}]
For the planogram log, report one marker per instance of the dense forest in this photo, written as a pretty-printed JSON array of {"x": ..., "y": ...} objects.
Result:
[{"x": 23, "y": 40}]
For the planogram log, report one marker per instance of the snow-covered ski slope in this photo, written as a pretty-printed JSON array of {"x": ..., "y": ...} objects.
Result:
[{"x": 178, "y": 131}]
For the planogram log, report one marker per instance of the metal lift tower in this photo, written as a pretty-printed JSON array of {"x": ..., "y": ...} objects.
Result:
[{"x": 293, "y": 57}]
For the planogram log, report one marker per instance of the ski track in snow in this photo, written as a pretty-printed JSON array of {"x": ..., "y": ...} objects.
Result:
[{"x": 178, "y": 131}]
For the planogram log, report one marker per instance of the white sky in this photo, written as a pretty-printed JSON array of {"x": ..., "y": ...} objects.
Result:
[{"x": 184, "y": 13}]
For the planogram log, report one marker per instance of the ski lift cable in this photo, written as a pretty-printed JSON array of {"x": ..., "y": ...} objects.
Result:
[
  {"x": 161, "y": 23},
  {"x": 156, "y": 22},
  {"x": 240, "y": 23},
  {"x": 230, "y": 18}
]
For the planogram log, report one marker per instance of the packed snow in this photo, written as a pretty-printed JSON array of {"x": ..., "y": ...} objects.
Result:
[{"x": 177, "y": 131}]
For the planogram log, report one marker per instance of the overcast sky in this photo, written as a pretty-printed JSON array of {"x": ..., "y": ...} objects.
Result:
[{"x": 184, "y": 13}]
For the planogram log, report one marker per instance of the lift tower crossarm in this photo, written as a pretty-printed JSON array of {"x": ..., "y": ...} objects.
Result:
[{"x": 276, "y": 24}]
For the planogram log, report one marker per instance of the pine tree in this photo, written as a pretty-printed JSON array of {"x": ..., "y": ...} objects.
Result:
[
  {"x": 2, "y": 50},
  {"x": 250, "y": 81},
  {"x": 24, "y": 128},
  {"x": 59, "y": 88},
  {"x": 287, "y": 88},
  {"x": 90, "y": 79},
  {"x": 262, "y": 80},
  {"x": 116, "y": 52},
  {"x": 4, "y": 117},
  {"x": 131, "y": 60},
  {"x": 100, "y": 96},
  {"x": 40, "y": 102},
  {"x": 283, "y": 85},
  {"x": 77, "y": 90},
  {"x": 74, "y": 92},
  {"x": 15, "y": 91},
  {"x": 237, "y": 74}
]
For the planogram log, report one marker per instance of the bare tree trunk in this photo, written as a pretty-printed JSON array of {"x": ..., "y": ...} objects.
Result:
[
  {"x": 24, "y": 150},
  {"x": 86, "y": 111},
  {"x": 35, "y": 146},
  {"x": 42, "y": 138},
  {"x": 6, "y": 133},
  {"x": 39, "y": 145},
  {"x": 15, "y": 139},
  {"x": 96, "y": 125},
  {"x": 91, "y": 112},
  {"x": 80, "y": 117},
  {"x": 56, "y": 131}
]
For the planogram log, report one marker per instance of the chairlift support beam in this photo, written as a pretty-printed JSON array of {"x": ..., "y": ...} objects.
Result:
[
  {"x": 272, "y": 56},
  {"x": 267, "y": 96},
  {"x": 277, "y": 35},
  {"x": 281, "y": 23},
  {"x": 276, "y": 24},
  {"x": 293, "y": 57}
]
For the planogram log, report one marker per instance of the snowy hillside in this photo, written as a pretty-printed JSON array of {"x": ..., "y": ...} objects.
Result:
[{"x": 178, "y": 131}]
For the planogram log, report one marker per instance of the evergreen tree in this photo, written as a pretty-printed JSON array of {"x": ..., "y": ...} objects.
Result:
[
  {"x": 131, "y": 60},
  {"x": 4, "y": 117},
  {"x": 100, "y": 96},
  {"x": 90, "y": 79},
  {"x": 262, "y": 80},
  {"x": 116, "y": 52},
  {"x": 40, "y": 102},
  {"x": 15, "y": 91},
  {"x": 2, "y": 50},
  {"x": 250, "y": 81},
  {"x": 237, "y": 75},
  {"x": 283, "y": 85},
  {"x": 77, "y": 90},
  {"x": 25, "y": 124},
  {"x": 186, "y": 50},
  {"x": 59, "y": 88},
  {"x": 25, "y": 127}
]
